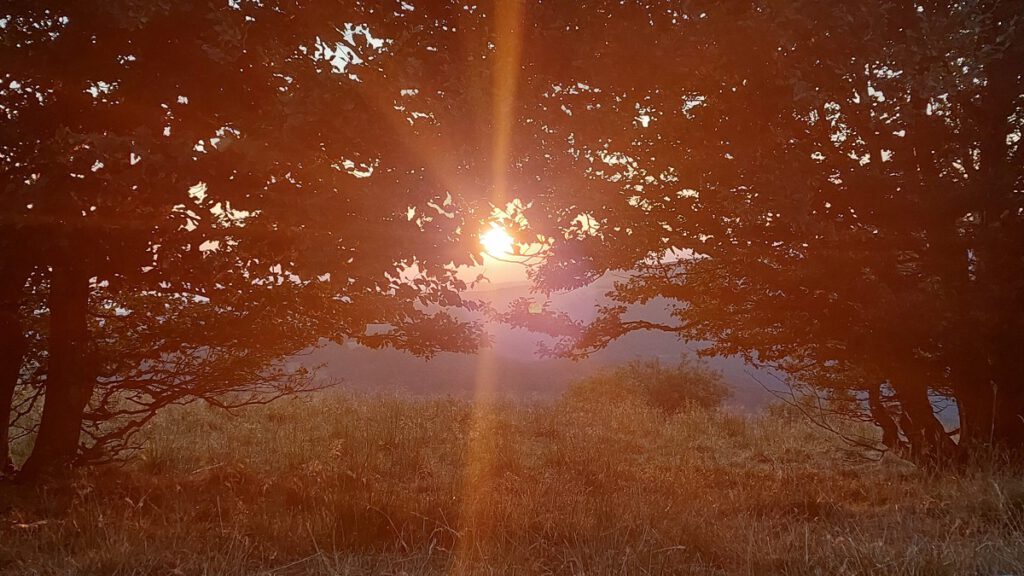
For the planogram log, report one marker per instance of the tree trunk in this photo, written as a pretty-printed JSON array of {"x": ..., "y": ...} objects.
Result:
[
  {"x": 880, "y": 414},
  {"x": 13, "y": 347},
  {"x": 992, "y": 405},
  {"x": 69, "y": 382},
  {"x": 929, "y": 443},
  {"x": 1009, "y": 424},
  {"x": 1008, "y": 418},
  {"x": 1000, "y": 270},
  {"x": 12, "y": 350},
  {"x": 976, "y": 405}
]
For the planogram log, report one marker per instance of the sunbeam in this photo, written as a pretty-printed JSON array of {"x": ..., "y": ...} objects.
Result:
[{"x": 477, "y": 477}]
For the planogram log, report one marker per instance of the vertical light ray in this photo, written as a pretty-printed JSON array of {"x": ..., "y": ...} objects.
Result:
[
  {"x": 479, "y": 473},
  {"x": 508, "y": 42},
  {"x": 475, "y": 523}
]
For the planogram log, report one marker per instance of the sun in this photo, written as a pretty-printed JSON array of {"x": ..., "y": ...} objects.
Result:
[{"x": 497, "y": 241}]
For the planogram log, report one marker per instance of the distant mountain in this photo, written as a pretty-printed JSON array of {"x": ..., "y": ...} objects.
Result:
[{"x": 516, "y": 370}]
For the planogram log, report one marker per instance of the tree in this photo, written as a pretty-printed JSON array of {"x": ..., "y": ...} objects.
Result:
[
  {"x": 833, "y": 191},
  {"x": 194, "y": 192}
]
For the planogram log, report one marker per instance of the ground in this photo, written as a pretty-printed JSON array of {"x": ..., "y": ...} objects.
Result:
[{"x": 361, "y": 485}]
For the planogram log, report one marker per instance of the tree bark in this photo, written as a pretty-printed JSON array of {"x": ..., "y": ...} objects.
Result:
[
  {"x": 890, "y": 430},
  {"x": 991, "y": 415},
  {"x": 13, "y": 347},
  {"x": 990, "y": 401},
  {"x": 1000, "y": 270},
  {"x": 69, "y": 382},
  {"x": 975, "y": 404},
  {"x": 929, "y": 442},
  {"x": 1008, "y": 398},
  {"x": 12, "y": 350}
]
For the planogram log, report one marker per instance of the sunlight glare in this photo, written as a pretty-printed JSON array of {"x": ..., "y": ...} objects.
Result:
[{"x": 497, "y": 241}]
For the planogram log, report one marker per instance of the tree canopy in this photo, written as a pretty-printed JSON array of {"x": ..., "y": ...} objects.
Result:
[
  {"x": 195, "y": 191},
  {"x": 833, "y": 191}
]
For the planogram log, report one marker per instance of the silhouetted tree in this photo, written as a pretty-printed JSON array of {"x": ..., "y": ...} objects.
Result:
[
  {"x": 831, "y": 190},
  {"x": 195, "y": 191}
]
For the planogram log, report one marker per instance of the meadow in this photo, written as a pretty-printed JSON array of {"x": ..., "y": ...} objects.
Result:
[{"x": 347, "y": 484}]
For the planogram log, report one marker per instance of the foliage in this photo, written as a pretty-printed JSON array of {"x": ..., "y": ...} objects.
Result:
[
  {"x": 831, "y": 190},
  {"x": 671, "y": 389},
  {"x": 194, "y": 191}
]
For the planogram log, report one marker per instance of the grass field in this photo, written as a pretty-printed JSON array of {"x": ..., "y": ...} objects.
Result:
[{"x": 358, "y": 485}]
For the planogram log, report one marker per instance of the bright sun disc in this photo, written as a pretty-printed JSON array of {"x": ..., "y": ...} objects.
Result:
[{"x": 496, "y": 241}]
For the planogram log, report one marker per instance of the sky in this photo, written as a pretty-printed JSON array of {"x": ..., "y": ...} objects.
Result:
[{"x": 498, "y": 272}]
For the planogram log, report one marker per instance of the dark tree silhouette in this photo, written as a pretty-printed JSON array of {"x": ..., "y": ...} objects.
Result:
[
  {"x": 831, "y": 190},
  {"x": 195, "y": 191}
]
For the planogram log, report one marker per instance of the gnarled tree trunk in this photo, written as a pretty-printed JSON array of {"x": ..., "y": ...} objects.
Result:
[
  {"x": 69, "y": 381},
  {"x": 1008, "y": 397},
  {"x": 12, "y": 350},
  {"x": 975, "y": 405},
  {"x": 13, "y": 347},
  {"x": 890, "y": 430},
  {"x": 929, "y": 442}
]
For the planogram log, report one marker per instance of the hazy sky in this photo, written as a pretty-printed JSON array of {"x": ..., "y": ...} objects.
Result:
[{"x": 497, "y": 271}]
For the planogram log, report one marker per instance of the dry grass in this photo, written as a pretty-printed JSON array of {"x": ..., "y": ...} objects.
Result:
[{"x": 342, "y": 485}]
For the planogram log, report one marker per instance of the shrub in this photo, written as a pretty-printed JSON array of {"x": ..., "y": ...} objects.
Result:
[{"x": 690, "y": 383}]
